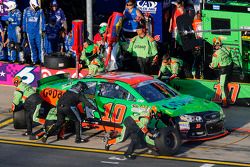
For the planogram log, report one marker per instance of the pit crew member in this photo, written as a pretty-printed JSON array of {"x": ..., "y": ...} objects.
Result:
[
  {"x": 67, "y": 107},
  {"x": 25, "y": 97}
]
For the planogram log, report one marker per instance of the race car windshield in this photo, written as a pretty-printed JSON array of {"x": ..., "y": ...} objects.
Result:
[{"x": 155, "y": 91}]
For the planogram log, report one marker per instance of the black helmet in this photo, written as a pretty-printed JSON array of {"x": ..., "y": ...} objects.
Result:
[{"x": 80, "y": 86}]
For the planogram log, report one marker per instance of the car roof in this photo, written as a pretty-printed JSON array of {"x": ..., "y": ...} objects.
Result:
[{"x": 127, "y": 77}]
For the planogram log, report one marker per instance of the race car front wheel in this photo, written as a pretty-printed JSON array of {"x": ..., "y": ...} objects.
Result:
[
  {"x": 19, "y": 120},
  {"x": 169, "y": 142}
]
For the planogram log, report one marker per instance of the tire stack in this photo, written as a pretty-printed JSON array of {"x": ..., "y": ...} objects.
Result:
[{"x": 58, "y": 61}]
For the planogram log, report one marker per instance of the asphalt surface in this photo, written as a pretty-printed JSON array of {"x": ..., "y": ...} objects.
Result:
[
  {"x": 232, "y": 149},
  {"x": 15, "y": 155}
]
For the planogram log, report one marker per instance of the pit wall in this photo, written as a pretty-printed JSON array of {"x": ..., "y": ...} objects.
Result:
[{"x": 211, "y": 90}]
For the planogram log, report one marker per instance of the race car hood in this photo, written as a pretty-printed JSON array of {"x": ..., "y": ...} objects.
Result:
[{"x": 185, "y": 104}]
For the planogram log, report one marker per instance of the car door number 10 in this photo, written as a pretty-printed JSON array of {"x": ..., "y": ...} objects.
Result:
[{"x": 116, "y": 116}]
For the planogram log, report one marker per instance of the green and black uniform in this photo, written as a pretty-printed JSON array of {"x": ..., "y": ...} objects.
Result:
[
  {"x": 26, "y": 96},
  {"x": 144, "y": 49},
  {"x": 223, "y": 61},
  {"x": 92, "y": 59},
  {"x": 173, "y": 68},
  {"x": 135, "y": 127}
]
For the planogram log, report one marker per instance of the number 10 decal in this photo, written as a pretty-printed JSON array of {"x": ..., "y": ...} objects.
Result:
[{"x": 118, "y": 114}]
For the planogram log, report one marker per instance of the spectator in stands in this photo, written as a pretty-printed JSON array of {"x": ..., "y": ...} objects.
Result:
[
  {"x": 170, "y": 68},
  {"x": 91, "y": 58},
  {"x": 178, "y": 10},
  {"x": 14, "y": 32},
  {"x": 34, "y": 29},
  {"x": 132, "y": 17},
  {"x": 52, "y": 31},
  {"x": 144, "y": 48},
  {"x": 59, "y": 14}
]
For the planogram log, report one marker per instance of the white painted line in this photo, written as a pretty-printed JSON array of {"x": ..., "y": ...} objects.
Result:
[
  {"x": 108, "y": 162},
  {"x": 207, "y": 165},
  {"x": 117, "y": 158}
]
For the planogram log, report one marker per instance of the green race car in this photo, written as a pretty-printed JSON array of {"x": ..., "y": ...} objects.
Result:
[{"x": 120, "y": 94}]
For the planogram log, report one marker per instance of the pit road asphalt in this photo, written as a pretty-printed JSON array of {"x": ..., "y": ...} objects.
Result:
[{"x": 233, "y": 149}]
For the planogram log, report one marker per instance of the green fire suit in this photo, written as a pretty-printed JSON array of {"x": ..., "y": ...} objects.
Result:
[{"x": 222, "y": 59}]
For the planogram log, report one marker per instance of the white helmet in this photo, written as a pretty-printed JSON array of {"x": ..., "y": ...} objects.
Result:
[
  {"x": 103, "y": 24},
  {"x": 33, "y": 2},
  {"x": 10, "y": 5}
]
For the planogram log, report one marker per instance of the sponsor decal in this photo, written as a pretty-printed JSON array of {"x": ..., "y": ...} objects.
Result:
[
  {"x": 51, "y": 95},
  {"x": 45, "y": 72},
  {"x": 147, "y": 6},
  {"x": 30, "y": 75}
]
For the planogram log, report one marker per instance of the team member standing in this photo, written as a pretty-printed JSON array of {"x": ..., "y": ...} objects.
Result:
[
  {"x": 67, "y": 107},
  {"x": 25, "y": 97},
  {"x": 144, "y": 48},
  {"x": 132, "y": 17},
  {"x": 14, "y": 32},
  {"x": 223, "y": 61},
  {"x": 34, "y": 28},
  {"x": 52, "y": 36},
  {"x": 135, "y": 127},
  {"x": 59, "y": 14}
]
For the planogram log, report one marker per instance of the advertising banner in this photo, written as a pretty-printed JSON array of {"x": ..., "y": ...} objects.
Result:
[
  {"x": 29, "y": 74},
  {"x": 153, "y": 12},
  {"x": 211, "y": 90},
  {"x": 46, "y": 72}
]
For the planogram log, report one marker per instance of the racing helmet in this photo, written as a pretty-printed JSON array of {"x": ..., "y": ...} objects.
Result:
[
  {"x": 11, "y": 5},
  {"x": 103, "y": 24},
  {"x": 80, "y": 86},
  {"x": 153, "y": 111},
  {"x": 17, "y": 80},
  {"x": 35, "y": 3},
  {"x": 217, "y": 41}
]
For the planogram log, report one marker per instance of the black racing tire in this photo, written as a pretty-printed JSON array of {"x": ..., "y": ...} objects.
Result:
[
  {"x": 58, "y": 61},
  {"x": 169, "y": 141},
  {"x": 19, "y": 119}
]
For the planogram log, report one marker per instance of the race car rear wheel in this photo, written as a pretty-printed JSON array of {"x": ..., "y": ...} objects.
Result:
[
  {"x": 169, "y": 142},
  {"x": 19, "y": 120}
]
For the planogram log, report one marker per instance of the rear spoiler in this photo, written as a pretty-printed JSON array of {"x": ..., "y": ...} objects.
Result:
[{"x": 53, "y": 78}]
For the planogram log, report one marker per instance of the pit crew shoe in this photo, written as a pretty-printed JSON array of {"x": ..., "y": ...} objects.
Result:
[
  {"x": 81, "y": 140},
  {"x": 130, "y": 156},
  {"x": 107, "y": 146},
  {"x": 44, "y": 138},
  {"x": 26, "y": 134}
]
